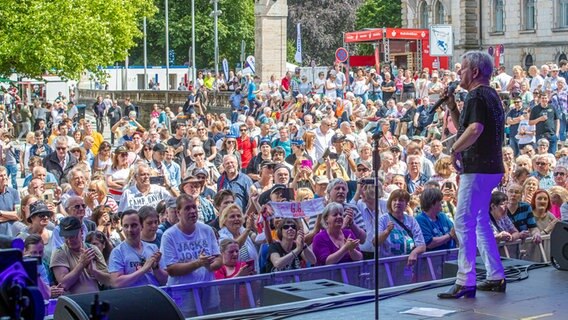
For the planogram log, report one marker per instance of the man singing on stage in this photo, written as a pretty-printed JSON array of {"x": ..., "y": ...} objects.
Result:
[{"x": 477, "y": 156}]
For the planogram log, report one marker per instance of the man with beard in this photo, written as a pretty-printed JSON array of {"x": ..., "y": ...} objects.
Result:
[
  {"x": 142, "y": 193},
  {"x": 135, "y": 262}
]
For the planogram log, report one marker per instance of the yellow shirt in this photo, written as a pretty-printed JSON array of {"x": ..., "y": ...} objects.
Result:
[
  {"x": 208, "y": 82},
  {"x": 98, "y": 140}
]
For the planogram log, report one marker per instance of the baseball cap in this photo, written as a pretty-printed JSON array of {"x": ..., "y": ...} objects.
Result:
[
  {"x": 69, "y": 226},
  {"x": 264, "y": 141},
  {"x": 298, "y": 142},
  {"x": 267, "y": 163},
  {"x": 321, "y": 180},
  {"x": 337, "y": 138}
]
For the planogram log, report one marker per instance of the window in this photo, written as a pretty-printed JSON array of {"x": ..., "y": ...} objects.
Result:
[
  {"x": 529, "y": 15},
  {"x": 440, "y": 12},
  {"x": 563, "y": 14},
  {"x": 528, "y": 61},
  {"x": 423, "y": 10},
  {"x": 499, "y": 21}
]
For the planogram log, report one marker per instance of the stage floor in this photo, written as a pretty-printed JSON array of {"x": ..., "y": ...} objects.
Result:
[{"x": 544, "y": 295}]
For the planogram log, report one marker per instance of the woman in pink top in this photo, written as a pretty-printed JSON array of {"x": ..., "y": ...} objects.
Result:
[{"x": 336, "y": 243}]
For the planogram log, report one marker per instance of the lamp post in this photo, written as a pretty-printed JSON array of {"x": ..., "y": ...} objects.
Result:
[
  {"x": 167, "y": 49},
  {"x": 215, "y": 14},
  {"x": 145, "y": 57},
  {"x": 193, "y": 41}
]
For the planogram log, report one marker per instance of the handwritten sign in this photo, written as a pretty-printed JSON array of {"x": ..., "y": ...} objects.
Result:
[{"x": 302, "y": 209}]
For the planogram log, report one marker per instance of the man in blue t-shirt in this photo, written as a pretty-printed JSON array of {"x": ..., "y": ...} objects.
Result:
[{"x": 252, "y": 92}]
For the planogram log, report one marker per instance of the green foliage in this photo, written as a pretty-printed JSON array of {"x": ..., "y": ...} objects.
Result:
[
  {"x": 67, "y": 37},
  {"x": 379, "y": 14},
  {"x": 236, "y": 23},
  {"x": 291, "y": 51}
]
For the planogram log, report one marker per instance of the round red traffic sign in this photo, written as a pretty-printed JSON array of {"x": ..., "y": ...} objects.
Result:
[{"x": 341, "y": 54}]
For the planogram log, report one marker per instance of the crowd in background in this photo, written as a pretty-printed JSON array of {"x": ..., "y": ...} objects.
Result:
[{"x": 185, "y": 197}]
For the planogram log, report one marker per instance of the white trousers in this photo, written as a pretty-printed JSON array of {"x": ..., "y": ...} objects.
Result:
[{"x": 473, "y": 229}]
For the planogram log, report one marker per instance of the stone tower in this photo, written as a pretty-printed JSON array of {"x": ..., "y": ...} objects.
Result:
[{"x": 270, "y": 38}]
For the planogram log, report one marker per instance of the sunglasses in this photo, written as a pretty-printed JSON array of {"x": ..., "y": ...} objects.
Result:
[
  {"x": 61, "y": 148},
  {"x": 288, "y": 226},
  {"x": 556, "y": 174},
  {"x": 44, "y": 215},
  {"x": 147, "y": 149},
  {"x": 362, "y": 169},
  {"x": 92, "y": 190},
  {"x": 123, "y": 155},
  {"x": 541, "y": 163},
  {"x": 198, "y": 154},
  {"x": 79, "y": 206}
]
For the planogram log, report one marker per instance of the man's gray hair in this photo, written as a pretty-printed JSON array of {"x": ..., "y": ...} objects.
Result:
[
  {"x": 333, "y": 183},
  {"x": 230, "y": 156},
  {"x": 481, "y": 60},
  {"x": 61, "y": 140}
]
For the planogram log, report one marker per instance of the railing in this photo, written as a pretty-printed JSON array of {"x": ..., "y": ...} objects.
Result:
[{"x": 246, "y": 292}]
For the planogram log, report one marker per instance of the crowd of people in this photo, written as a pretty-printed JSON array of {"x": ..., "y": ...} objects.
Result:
[{"x": 186, "y": 197}]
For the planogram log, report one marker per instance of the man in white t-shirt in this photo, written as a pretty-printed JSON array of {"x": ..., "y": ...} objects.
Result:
[
  {"x": 143, "y": 193},
  {"x": 134, "y": 262},
  {"x": 191, "y": 254}
]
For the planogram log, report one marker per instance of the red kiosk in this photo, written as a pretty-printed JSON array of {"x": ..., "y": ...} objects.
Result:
[{"x": 407, "y": 48}]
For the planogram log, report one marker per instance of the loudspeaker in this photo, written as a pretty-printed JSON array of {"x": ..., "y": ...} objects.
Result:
[
  {"x": 559, "y": 246},
  {"x": 305, "y": 290},
  {"x": 146, "y": 302}
]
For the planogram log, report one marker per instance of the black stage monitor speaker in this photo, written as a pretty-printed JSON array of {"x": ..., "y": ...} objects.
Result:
[
  {"x": 306, "y": 290},
  {"x": 559, "y": 246},
  {"x": 147, "y": 302}
]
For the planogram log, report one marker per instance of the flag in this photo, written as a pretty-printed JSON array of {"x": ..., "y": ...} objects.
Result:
[{"x": 298, "y": 55}]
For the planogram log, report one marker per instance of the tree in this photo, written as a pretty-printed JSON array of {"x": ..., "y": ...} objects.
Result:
[
  {"x": 67, "y": 37},
  {"x": 323, "y": 24},
  {"x": 235, "y": 24},
  {"x": 377, "y": 14}
]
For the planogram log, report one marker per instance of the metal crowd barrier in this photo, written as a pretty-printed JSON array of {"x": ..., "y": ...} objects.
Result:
[{"x": 246, "y": 292}]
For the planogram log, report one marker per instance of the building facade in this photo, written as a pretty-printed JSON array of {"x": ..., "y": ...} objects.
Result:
[{"x": 532, "y": 32}]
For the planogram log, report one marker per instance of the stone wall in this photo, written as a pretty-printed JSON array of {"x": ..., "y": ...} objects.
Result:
[{"x": 144, "y": 99}]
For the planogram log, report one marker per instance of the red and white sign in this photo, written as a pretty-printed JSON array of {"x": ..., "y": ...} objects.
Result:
[
  {"x": 364, "y": 36},
  {"x": 407, "y": 34}
]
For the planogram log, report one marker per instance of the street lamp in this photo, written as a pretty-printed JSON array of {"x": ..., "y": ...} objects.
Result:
[
  {"x": 193, "y": 41},
  {"x": 167, "y": 49},
  {"x": 215, "y": 14}
]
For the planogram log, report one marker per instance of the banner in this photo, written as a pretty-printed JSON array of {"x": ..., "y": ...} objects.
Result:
[
  {"x": 226, "y": 69},
  {"x": 250, "y": 63},
  {"x": 377, "y": 60},
  {"x": 441, "y": 41},
  {"x": 298, "y": 55},
  {"x": 302, "y": 209}
]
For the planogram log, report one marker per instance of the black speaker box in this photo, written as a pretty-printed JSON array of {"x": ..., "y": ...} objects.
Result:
[
  {"x": 146, "y": 302},
  {"x": 559, "y": 245},
  {"x": 305, "y": 290}
]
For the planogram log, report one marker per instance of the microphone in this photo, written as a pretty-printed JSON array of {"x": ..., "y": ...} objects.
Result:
[{"x": 451, "y": 89}]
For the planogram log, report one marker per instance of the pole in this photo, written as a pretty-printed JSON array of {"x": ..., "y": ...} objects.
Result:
[
  {"x": 193, "y": 76},
  {"x": 167, "y": 49},
  {"x": 216, "y": 14},
  {"x": 378, "y": 195},
  {"x": 145, "y": 57}
]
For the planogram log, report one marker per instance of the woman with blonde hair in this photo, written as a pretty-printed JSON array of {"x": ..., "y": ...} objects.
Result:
[
  {"x": 558, "y": 197},
  {"x": 97, "y": 195},
  {"x": 444, "y": 171},
  {"x": 103, "y": 159},
  {"x": 514, "y": 86},
  {"x": 231, "y": 222},
  {"x": 529, "y": 188}
]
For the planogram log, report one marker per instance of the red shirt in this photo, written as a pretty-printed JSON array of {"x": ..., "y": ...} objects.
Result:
[
  {"x": 246, "y": 146},
  {"x": 285, "y": 83}
]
